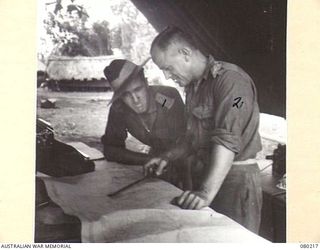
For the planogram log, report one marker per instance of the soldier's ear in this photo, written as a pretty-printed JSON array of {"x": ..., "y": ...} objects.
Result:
[{"x": 186, "y": 53}]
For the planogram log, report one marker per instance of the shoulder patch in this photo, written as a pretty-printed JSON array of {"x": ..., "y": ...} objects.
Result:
[{"x": 164, "y": 100}]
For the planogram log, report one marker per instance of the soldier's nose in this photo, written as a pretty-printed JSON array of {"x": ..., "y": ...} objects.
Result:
[{"x": 135, "y": 98}]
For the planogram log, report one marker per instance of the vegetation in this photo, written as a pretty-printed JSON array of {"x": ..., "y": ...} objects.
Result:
[
  {"x": 69, "y": 30},
  {"x": 134, "y": 34}
]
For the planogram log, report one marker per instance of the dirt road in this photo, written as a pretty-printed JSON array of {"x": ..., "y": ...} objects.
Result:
[{"x": 78, "y": 116}]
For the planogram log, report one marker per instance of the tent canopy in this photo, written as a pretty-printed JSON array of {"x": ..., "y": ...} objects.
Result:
[{"x": 249, "y": 33}]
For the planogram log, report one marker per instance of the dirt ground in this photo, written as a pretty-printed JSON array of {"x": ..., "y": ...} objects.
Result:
[{"x": 78, "y": 116}]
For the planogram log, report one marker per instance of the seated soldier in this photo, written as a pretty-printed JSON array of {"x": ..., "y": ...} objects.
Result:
[{"x": 152, "y": 114}]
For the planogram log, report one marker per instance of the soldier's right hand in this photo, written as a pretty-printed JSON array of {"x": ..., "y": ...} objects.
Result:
[{"x": 155, "y": 167}]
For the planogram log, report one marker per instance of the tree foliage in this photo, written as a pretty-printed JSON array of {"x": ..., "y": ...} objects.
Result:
[
  {"x": 70, "y": 35},
  {"x": 134, "y": 34},
  {"x": 70, "y": 32}
]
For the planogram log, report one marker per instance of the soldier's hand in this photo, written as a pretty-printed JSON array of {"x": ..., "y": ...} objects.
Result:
[
  {"x": 192, "y": 200},
  {"x": 155, "y": 167}
]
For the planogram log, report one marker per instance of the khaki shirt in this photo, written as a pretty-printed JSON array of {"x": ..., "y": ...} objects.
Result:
[
  {"x": 222, "y": 109},
  {"x": 160, "y": 127}
]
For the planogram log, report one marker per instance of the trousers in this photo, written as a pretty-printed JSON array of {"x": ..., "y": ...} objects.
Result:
[{"x": 240, "y": 195}]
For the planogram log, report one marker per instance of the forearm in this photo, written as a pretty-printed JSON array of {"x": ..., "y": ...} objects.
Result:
[
  {"x": 125, "y": 156},
  {"x": 178, "y": 151},
  {"x": 220, "y": 164}
]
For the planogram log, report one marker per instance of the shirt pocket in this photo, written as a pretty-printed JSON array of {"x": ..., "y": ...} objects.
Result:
[{"x": 204, "y": 115}]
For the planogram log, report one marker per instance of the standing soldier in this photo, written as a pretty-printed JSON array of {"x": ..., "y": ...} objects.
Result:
[{"x": 222, "y": 129}]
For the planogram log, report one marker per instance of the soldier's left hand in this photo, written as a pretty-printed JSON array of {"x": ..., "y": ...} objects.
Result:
[{"x": 193, "y": 200}]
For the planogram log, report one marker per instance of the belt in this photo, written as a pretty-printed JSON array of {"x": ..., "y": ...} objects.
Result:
[{"x": 245, "y": 162}]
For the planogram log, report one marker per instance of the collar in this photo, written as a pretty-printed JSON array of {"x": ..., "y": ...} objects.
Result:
[
  {"x": 147, "y": 119},
  {"x": 152, "y": 102},
  {"x": 210, "y": 64},
  {"x": 212, "y": 67}
]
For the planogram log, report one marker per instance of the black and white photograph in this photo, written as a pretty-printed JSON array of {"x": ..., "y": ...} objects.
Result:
[{"x": 161, "y": 121}]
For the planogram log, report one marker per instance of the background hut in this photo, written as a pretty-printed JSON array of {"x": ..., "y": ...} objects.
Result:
[
  {"x": 78, "y": 73},
  {"x": 41, "y": 73}
]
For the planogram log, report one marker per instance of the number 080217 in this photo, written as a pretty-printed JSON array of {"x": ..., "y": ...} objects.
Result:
[{"x": 311, "y": 245}]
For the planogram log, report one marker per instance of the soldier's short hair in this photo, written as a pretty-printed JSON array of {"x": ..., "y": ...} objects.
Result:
[{"x": 170, "y": 35}]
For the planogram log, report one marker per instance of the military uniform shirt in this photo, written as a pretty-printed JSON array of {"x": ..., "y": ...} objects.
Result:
[
  {"x": 159, "y": 128},
  {"x": 222, "y": 109}
]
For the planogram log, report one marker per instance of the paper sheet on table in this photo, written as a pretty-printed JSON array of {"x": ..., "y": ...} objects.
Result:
[
  {"x": 142, "y": 213},
  {"x": 90, "y": 152}
]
